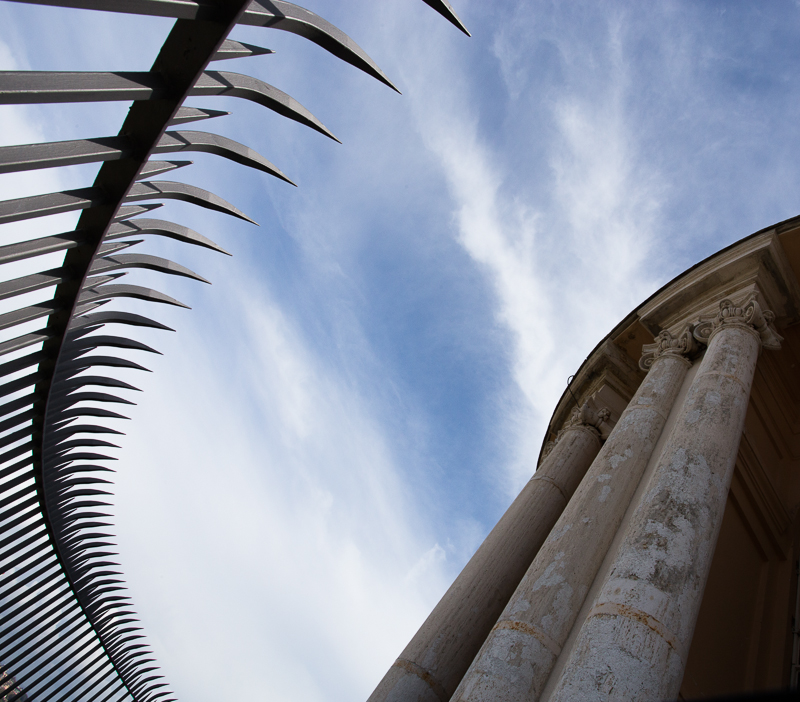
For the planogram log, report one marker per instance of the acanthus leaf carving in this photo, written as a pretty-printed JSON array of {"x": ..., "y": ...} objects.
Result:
[
  {"x": 665, "y": 344},
  {"x": 749, "y": 314},
  {"x": 583, "y": 417}
]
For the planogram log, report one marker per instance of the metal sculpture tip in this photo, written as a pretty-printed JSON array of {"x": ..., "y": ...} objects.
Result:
[{"x": 445, "y": 10}]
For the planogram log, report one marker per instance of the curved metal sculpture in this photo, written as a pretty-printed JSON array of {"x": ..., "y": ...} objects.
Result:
[{"x": 67, "y": 631}]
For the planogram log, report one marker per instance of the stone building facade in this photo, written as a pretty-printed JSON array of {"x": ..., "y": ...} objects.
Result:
[{"x": 654, "y": 553}]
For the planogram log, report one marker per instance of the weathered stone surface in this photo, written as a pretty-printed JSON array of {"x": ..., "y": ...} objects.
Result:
[
  {"x": 634, "y": 642},
  {"x": 431, "y": 666},
  {"x": 515, "y": 661}
]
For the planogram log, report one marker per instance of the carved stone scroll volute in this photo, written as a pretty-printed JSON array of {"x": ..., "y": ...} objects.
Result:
[
  {"x": 683, "y": 345},
  {"x": 749, "y": 315}
]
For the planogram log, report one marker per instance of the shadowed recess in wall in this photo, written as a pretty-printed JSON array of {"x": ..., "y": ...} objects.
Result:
[{"x": 67, "y": 630}]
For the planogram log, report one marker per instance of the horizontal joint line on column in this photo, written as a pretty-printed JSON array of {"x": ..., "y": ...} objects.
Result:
[
  {"x": 730, "y": 377},
  {"x": 424, "y": 675},
  {"x": 552, "y": 482},
  {"x": 735, "y": 327},
  {"x": 585, "y": 428},
  {"x": 542, "y": 637},
  {"x": 634, "y": 408},
  {"x": 615, "y": 609},
  {"x": 675, "y": 357}
]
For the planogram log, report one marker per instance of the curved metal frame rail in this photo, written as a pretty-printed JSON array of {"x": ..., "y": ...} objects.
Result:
[{"x": 67, "y": 630}]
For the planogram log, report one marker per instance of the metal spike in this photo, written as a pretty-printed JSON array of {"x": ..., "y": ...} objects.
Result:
[
  {"x": 18, "y": 419},
  {"x": 22, "y": 363},
  {"x": 235, "y": 49},
  {"x": 255, "y": 90},
  {"x": 116, "y": 681},
  {"x": 12, "y": 439},
  {"x": 128, "y": 211},
  {"x": 70, "y": 368},
  {"x": 153, "y": 189},
  {"x": 184, "y": 115},
  {"x": 55, "y": 438},
  {"x": 30, "y": 283},
  {"x": 96, "y": 652},
  {"x": 26, "y": 491},
  {"x": 130, "y": 318},
  {"x": 106, "y": 249},
  {"x": 136, "y": 291},
  {"x": 18, "y": 534},
  {"x": 153, "y": 263},
  {"x": 83, "y": 381},
  {"x": 291, "y": 18},
  {"x": 96, "y": 280},
  {"x": 28, "y": 314},
  {"x": 19, "y": 384},
  {"x": 16, "y": 452},
  {"x": 24, "y": 341},
  {"x": 173, "y": 142},
  {"x": 46, "y": 609},
  {"x": 65, "y": 628},
  {"x": 444, "y": 9},
  {"x": 36, "y": 87},
  {"x": 38, "y": 247},
  {"x": 67, "y": 414},
  {"x": 43, "y": 546},
  {"x": 18, "y": 548},
  {"x": 154, "y": 168},
  {"x": 52, "y": 203},
  {"x": 62, "y": 153},
  {"x": 69, "y": 400},
  {"x": 160, "y": 227},
  {"x": 83, "y": 309},
  {"x": 87, "y": 480},
  {"x": 179, "y": 9},
  {"x": 33, "y": 628},
  {"x": 92, "y": 342}
]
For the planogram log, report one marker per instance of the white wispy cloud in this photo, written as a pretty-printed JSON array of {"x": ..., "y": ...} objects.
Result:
[
  {"x": 568, "y": 260},
  {"x": 294, "y": 491},
  {"x": 280, "y": 529}
]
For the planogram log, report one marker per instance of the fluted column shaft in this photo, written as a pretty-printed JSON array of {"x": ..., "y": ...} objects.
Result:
[
  {"x": 634, "y": 642},
  {"x": 515, "y": 661},
  {"x": 433, "y": 663}
]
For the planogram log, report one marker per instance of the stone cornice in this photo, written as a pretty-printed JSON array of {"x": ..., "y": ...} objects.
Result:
[{"x": 757, "y": 264}]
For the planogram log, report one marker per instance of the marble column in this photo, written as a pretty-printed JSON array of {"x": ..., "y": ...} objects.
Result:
[
  {"x": 634, "y": 642},
  {"x": 516, "y": 660},
  {"x": 433, "y": 663}
]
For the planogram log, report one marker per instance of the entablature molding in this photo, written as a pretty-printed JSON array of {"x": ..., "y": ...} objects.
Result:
[
  {"x": 608, "y": 378},
  {"x": 758, "y": 264}
]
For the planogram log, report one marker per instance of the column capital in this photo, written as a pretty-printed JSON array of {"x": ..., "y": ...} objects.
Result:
[
  {"x": 585, "y": 418},
  {"x": 585, "y": 415},
  {"x": 665, "y": 344},
  {"x": 749, "y": 316}
]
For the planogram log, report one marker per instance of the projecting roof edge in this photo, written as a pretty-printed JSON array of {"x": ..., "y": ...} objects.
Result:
[{"x": 789, "y": 314}]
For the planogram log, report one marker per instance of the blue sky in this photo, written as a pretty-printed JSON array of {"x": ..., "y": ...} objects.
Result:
[{"x": 354, "y": 402}]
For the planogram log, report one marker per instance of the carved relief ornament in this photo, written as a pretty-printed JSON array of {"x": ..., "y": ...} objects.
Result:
[
  {"x": 665, "y": 344},
  {"x": 749, "y": 315}
]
